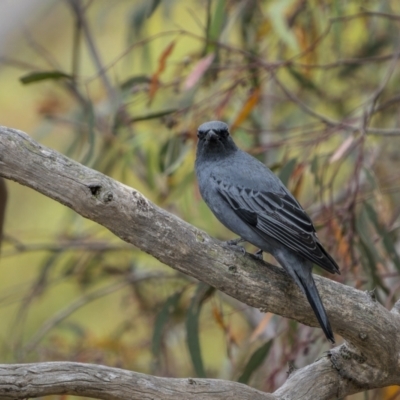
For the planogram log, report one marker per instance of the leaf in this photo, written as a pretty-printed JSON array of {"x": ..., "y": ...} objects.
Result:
[
  {"x": 391, "y": 393},
  {"x": 370, "y": 177},
  {"x": 198, "y": 71},
  {"x": 137, "y": 19},
  {"x": 172, "y": 154},
  {"x": 369, "y": 258},
  {"x": 277, "y": 13},
  {"x": 298, "y": 174},
  {"x": 168, "y": 308},
  {"x": 248, "y": 106},
  {"x": 303, "y": 80},
  {"x": 383, "y": 233},
  {"x": 368, "y": 250},
  {"x": 157, "y": 114},
  {"x": 343, "y": 248},
  {"x": 91, "y": 133},
  {"x": 216, "y": 25},
  {"x": 371, "y": 48},
  {"x": 192, "y": 327},
  {"x": 305, "y": 35},
  {"x": 134, "y": 81},
  {"x": 162, "y": 62},
  {"x": 315, "y": 171},
  {"x": 342, "y": 150},
  {"x": 219, "y": 318},
  {"x": 153, "y": 4},
  {"x": 364, "y": 233},
  {"x": 255, "y": 361},
  {"x": 43, "y": 75},
  {"x": 260, "y": 328},
  {"x": 287, "y": 170}
]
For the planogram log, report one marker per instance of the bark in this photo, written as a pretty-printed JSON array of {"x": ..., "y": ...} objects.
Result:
[
  {"x": 22, "y": 381},
  {"x": 369, "y": 357}
]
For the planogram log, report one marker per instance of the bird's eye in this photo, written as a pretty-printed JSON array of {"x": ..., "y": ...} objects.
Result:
[{"x": 200, "y": 134}]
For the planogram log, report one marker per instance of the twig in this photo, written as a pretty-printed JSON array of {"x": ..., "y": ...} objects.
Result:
[{"x": 82, "y": 22}]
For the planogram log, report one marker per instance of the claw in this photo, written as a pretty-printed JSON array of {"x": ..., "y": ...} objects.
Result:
[
  {"x": 259, "y": 254},
  {"x": 234, "y": 244}
]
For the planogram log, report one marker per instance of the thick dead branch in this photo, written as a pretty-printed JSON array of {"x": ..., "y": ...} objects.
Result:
[
  {"x": 22, "y": 381},
  {"x": 369, "y": 358}
]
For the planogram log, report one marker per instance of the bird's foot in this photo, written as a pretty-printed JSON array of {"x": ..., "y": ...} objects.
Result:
[
  {"x": 259, "y": 255},
  {"x": 234, "y": 244}
]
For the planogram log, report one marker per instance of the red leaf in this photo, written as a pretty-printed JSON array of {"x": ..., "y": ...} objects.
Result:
[
  {"x": 248, "y": 106},
  {"x": 162, "y": 61}
]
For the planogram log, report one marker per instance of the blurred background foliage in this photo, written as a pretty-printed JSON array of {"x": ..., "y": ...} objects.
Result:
[{"x": 311, "y": 88}]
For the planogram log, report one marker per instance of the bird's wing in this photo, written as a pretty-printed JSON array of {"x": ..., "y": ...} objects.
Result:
[{"x": 279, "y": 216}]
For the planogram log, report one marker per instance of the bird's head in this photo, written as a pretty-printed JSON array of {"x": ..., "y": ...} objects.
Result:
[{"x": 214, "y": 140}]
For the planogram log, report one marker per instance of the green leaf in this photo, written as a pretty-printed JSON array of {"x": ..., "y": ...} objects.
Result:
[
  {"x": 364, "y": 233},
  {"x": 255, "y": 361},
  {"x": 137, "y": 19},
  {"x": 368, "y": 250},
  {"x": 387, "y": 241},
  {"x": 218, "y": 20},
  {"x": 134, "y": 81},
  {"x": 192, "y": 327},
  {"x": 172, "y": 154},
  {"x": 153, "y": 4},
  {"x": 154, "y": 115},
  {"x": 303, "y": 80},
  {"x": 287, "y": 171},
  {"x": 216, "y": 24},
  {"x": 371, "y": 262},
  {"x": 315, "y": 171},
  {"x": 161, "y": 320},
  {"x": 370, "y": 177},
  {"x": 278, "y": 16},
  {"x": 91, "y": 136},
  {"x": 42, "y": 76},
  {"x": 371, "y": 48}
]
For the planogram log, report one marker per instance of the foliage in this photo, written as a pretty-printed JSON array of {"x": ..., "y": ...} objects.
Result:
[{"x": 308, "y": 87}]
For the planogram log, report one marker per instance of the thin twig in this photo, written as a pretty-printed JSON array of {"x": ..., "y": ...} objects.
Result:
[{"x": 82, "y": 22}]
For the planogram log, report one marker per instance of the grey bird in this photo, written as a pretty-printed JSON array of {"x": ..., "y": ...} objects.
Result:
[{"x": 252, "y": 202}]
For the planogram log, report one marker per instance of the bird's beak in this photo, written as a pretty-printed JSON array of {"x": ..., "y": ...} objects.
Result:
[{"x": 211, "y": 136}]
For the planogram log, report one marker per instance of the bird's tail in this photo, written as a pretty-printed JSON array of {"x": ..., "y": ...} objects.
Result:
[
  {"x": 301, "y": 272},
  {"x": 310, "y": 290}
]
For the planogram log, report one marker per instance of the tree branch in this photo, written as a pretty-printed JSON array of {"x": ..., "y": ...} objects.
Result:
[
  {"x": 369, "y": 358},
  {"x": 21, "y": 381}
]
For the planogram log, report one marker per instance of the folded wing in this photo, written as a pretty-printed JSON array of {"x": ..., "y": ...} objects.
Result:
[{"x": 279, "y": 216}]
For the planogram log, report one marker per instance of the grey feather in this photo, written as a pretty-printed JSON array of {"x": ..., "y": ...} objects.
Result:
[{"x": 252, "y": 202}]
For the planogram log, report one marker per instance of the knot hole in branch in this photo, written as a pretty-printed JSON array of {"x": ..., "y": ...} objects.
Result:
[{"x": 95, "y": 189}]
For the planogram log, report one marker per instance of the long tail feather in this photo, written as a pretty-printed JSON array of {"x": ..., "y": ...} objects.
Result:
[{"x": 316, "y": 304}]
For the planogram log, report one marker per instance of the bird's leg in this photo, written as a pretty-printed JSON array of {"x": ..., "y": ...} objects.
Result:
[
  {"x": 235, "y": 244},
  {"x": 259, "y": 254}
]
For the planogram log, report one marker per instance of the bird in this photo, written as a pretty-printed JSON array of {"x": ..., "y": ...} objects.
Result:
[{"x": 251, "y": 201}]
